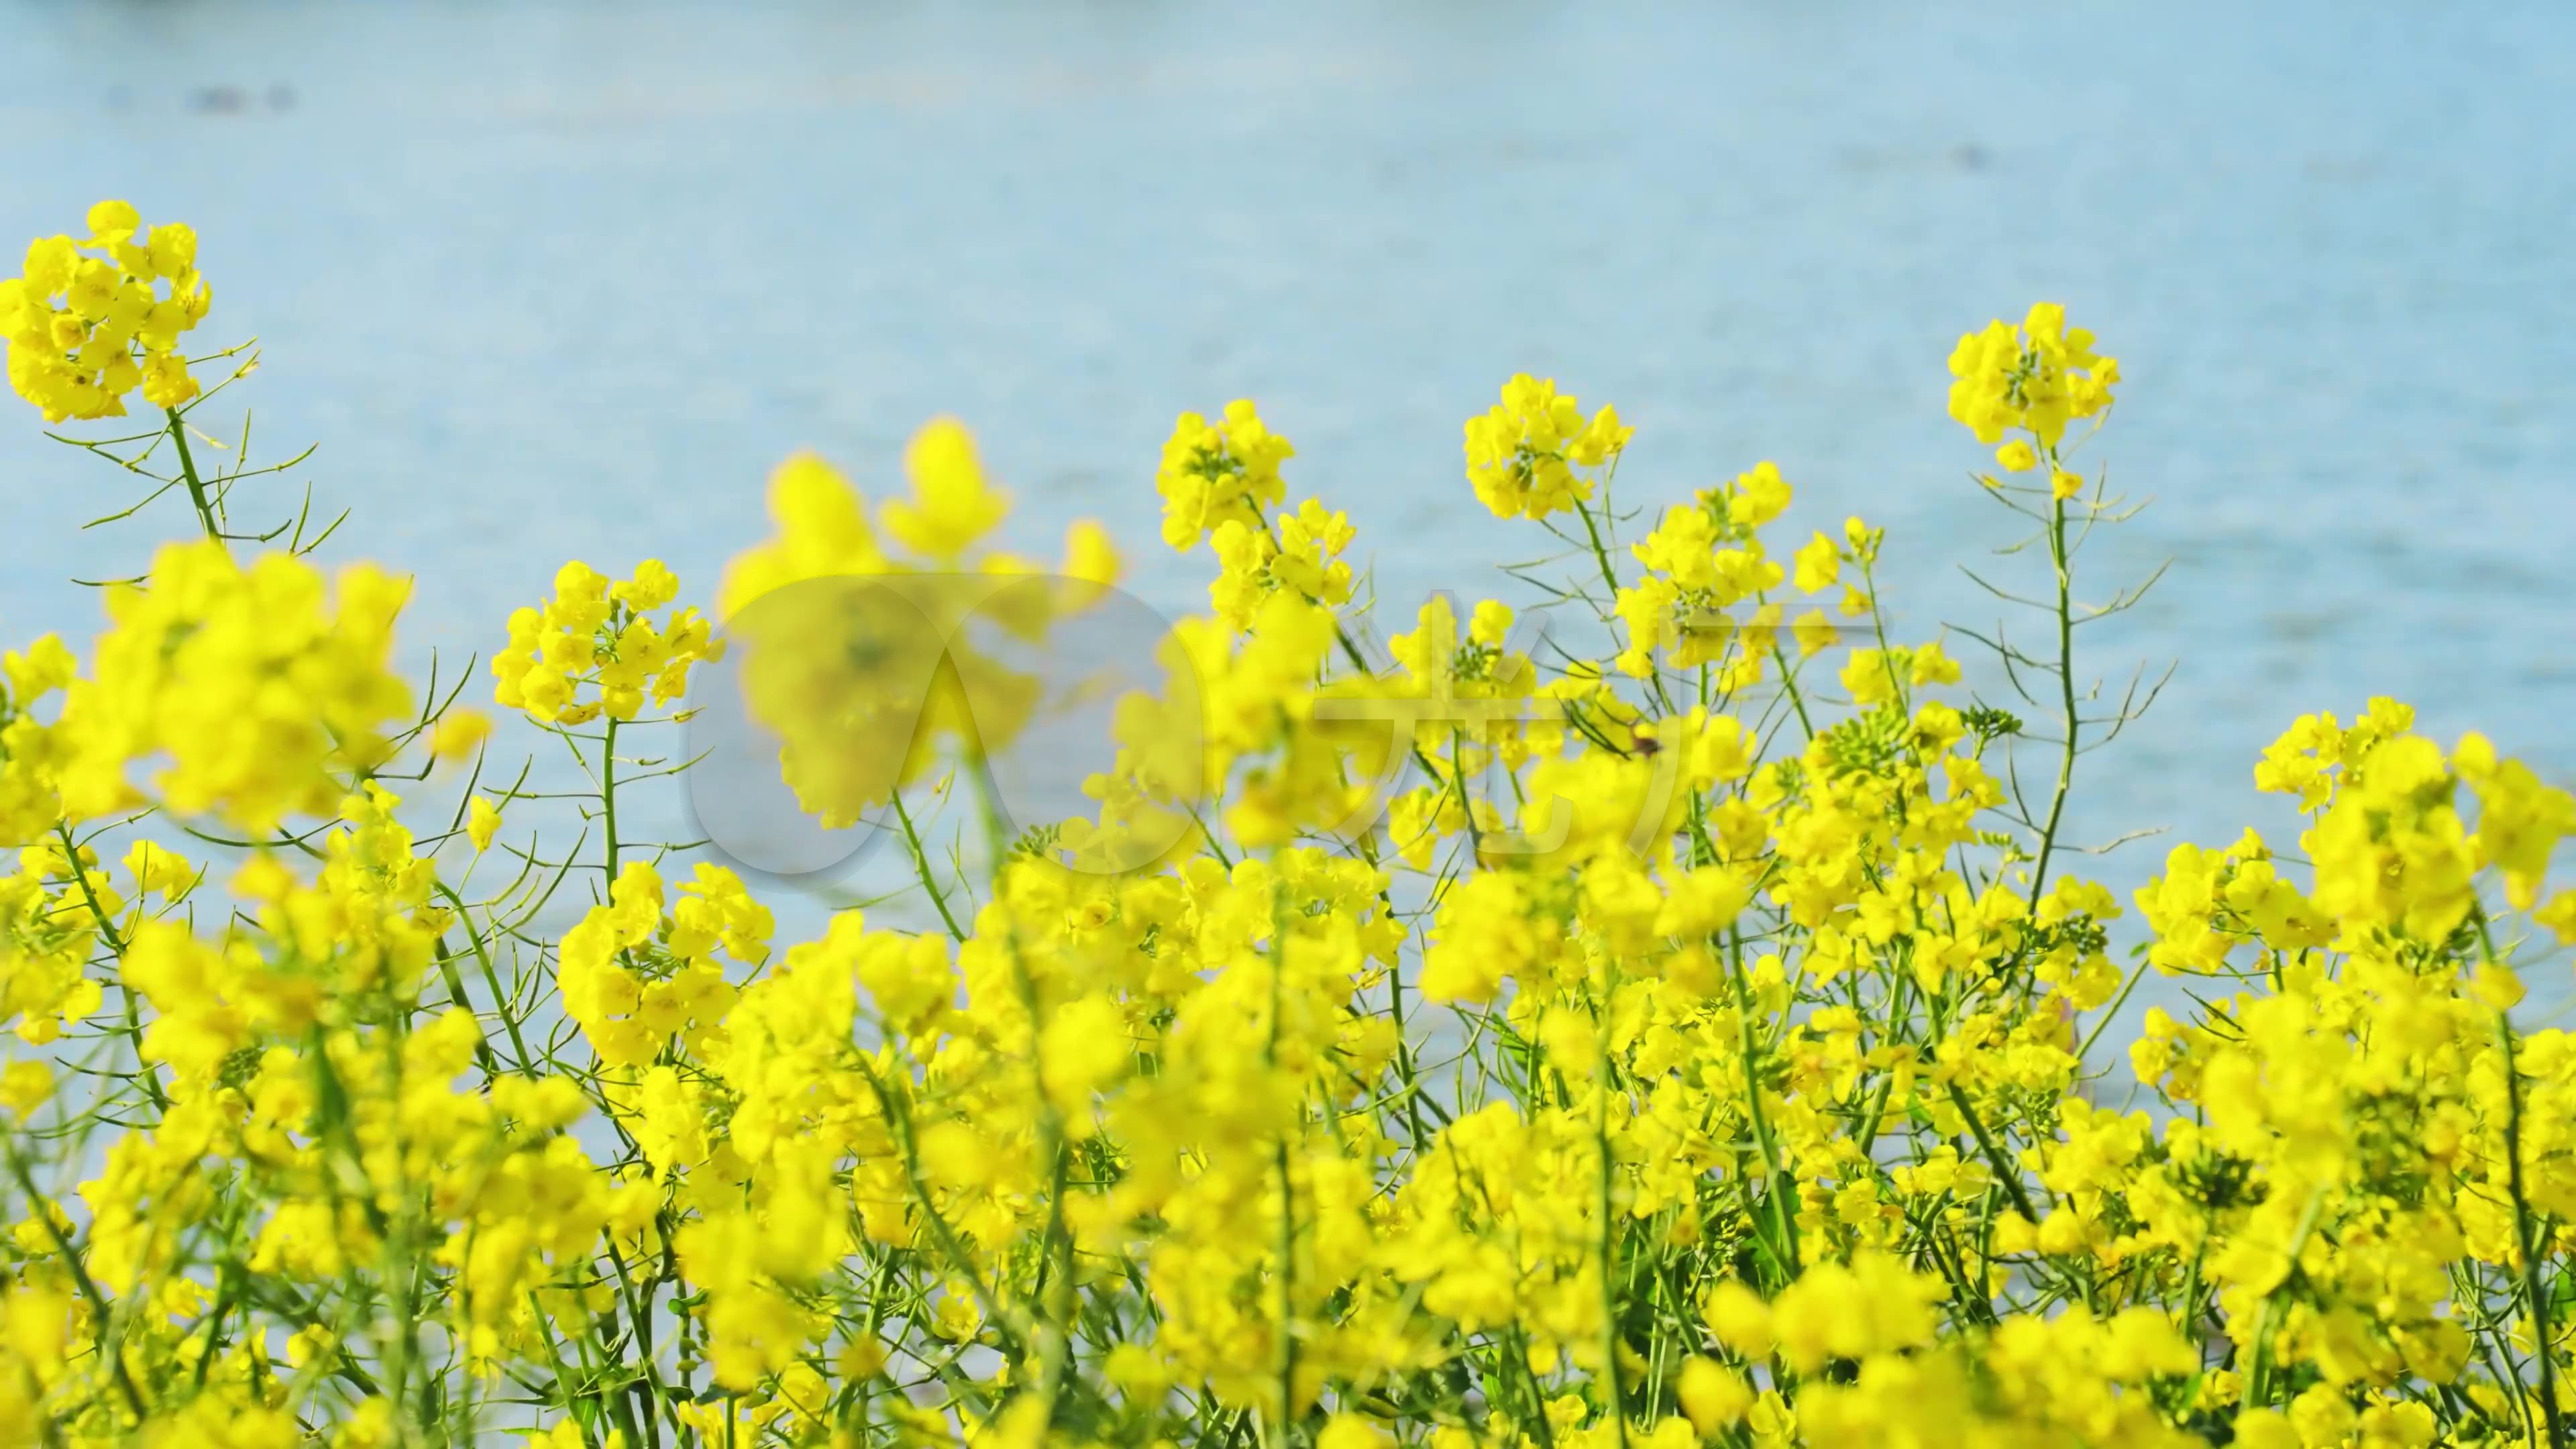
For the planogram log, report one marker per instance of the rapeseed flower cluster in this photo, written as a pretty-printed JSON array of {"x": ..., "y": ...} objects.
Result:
[
  {"x": 595, "y": 648},
  {"x": 1536, "y": 453},
  {"x": 1687, "y": 1037},
  {"x": 90, "y": 322}
]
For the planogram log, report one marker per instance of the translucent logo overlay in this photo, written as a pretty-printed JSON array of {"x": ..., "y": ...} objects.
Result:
[{"x": 836, "y": 692}]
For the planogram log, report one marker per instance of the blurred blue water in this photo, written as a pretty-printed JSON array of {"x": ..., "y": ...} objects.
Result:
[{"x": 558, "y": 280}]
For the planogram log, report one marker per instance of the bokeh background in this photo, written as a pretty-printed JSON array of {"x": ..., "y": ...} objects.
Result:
[{"x": 565, "y": 280}]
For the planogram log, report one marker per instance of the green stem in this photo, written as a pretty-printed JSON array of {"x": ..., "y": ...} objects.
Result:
[
  {"x": 1056, "y": 1301},
  {"x": 2005, "y": 1170},
  {"x": 2527, "y": 1237},
  {"x": 2258, "y": 1387},
  {"x": 2066, "y": 692},
  {"x": 491, "y": 978},
  {"x": 43, "y": 1209},
  {"x": 1600, "y": 551},
  {"x": 1603, "y": 1182},
  {"x": 188, "y": 470},
  {"x": 1779, "y": 1187},
  {"x": 2111, "y": 1013},
  {"x": 608, "y": 804},
  {"x": 1789, "y": 684},
  {"x": 921, "y": 867},
  {"x": 1286, "y": 1357},
  {"x": 144, "y": 1071}
]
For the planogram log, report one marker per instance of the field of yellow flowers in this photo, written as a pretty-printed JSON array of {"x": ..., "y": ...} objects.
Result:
[{"x": 1705, "y": 1048}]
